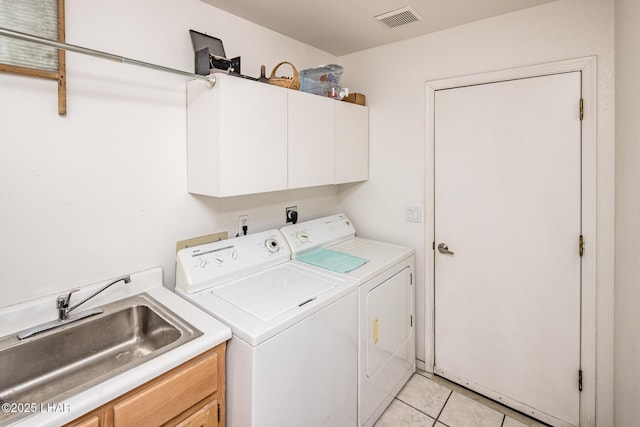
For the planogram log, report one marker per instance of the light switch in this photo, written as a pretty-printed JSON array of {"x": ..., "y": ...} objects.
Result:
[{"x": 413, "y": 214}]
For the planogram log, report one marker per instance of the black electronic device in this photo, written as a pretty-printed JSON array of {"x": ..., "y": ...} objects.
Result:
[{"x": 210, "y": 55}]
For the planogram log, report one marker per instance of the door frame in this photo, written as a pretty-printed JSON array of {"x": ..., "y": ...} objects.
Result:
[{"x": 587, "y": 66}]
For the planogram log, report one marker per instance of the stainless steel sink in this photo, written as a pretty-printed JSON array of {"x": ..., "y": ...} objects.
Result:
[{"x": 71, "y": 358}]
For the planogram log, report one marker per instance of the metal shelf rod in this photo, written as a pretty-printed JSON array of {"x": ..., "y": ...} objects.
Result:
[{"x": 92, "y": 52}]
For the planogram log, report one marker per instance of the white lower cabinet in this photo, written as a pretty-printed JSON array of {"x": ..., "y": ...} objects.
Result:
[{"x": 246, "y": 137}]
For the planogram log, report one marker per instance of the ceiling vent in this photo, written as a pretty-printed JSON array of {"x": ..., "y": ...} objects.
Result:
[{"x": 398, "y": 17}]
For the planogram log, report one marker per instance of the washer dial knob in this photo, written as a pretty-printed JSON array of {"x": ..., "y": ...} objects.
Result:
[{"x": 272, "y": 245}]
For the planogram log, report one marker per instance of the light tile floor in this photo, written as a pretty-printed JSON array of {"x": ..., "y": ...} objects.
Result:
[{"x": 432, "y": 401}]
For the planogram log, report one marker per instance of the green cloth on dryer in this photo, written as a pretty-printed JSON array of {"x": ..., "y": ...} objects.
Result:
[{"x": 332, "y": 260}]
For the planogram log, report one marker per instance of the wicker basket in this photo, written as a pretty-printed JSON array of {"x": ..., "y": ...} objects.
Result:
[{"x": 286, "y": 82}]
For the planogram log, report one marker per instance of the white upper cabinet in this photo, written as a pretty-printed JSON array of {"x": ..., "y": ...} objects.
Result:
[
  {"x": 245, "y": 137},
  {"x": 236, "y": 137},
  {"x": 310, "y": 139},
  {"x": 351, "y": 143}
]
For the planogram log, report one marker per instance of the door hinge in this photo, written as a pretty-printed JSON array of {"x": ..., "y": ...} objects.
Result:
[
  {"x": 218, "y": 413},
  {"x": 411, "y": 321},
  {"x": 411, "y": 278},
  {"x": 581, "y": 245},
  {"x": 580, "y": 380},
  {"x": 581, "y": 109}
]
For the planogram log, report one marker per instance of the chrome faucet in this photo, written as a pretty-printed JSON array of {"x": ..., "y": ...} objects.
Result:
[{"x": 62, "y": 302}]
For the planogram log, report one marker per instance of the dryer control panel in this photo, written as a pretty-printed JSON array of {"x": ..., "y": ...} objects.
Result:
[
  {"x": 202, "y": 267},
  {"x": 318, "y": 233}
]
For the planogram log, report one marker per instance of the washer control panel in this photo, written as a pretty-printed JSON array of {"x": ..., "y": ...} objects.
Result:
[
  {"x": 318, "y": 233},
  {"x": 215, "y": 256},
  {"x": 204, "y": 266}
]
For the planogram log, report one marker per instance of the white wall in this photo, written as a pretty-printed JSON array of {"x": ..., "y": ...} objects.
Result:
[
  {"x": 627, "y": 301},
  {"x": 102, "y": 191},
  {"x": 393, "y": 79}
]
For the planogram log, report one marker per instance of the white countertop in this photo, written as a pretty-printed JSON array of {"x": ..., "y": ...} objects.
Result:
[{"x": 21, "y": 316}]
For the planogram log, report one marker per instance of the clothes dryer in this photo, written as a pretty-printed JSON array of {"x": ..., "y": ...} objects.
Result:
[{"x": 386, "y": 303}]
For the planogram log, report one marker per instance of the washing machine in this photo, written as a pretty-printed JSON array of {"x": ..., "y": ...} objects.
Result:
[
  {"x": 292, "y": 359},
  {"x": 385, "y": 274}
]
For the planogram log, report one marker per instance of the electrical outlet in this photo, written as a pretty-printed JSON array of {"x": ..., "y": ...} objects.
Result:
[
  {"x": 291, "y": 214},
  {"x": 243, "y": 221}
]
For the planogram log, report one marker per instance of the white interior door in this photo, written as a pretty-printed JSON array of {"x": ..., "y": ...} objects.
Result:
[{"x": 507, "y": 205}]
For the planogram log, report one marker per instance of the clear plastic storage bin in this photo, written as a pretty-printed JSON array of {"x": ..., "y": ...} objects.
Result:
[{"x": 324, "y": 80}]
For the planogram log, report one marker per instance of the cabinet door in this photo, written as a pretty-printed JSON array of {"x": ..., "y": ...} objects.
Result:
[
  {"x": 253, "y": 137},
  {"x": 161, "y": 401},
  {"x": 207, "y": 416},
  {"x": 310, "y": 140},
  {"x": 236, "y": 137},
  {"x": 351, "y": 143},
  {"x": 92, "y": 421}
]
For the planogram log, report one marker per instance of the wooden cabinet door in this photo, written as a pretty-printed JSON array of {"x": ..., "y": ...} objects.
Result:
[
  {"x": 163, "y": 400},
  {"x": 192, "y": 394}
]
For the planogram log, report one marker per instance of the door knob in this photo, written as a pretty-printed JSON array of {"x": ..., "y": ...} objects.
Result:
[{"x": 443, "y": 249}]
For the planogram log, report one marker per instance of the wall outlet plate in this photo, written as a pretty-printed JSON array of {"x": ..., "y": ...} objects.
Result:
[
  {"x": 243, "y": 221},
  {"x": 291, "y": 214}
]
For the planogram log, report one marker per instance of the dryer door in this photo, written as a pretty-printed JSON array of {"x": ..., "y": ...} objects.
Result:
[{"x": 389, "y": 311}]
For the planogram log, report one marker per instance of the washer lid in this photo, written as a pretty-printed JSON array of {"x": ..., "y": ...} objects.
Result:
[
  {"x": 274, "y": 292},
  {"x": 261, "y": 305}
]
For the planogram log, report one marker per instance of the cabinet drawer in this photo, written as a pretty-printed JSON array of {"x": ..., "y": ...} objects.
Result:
[
  {"x": 93, "y": 421},
  {"x": 203, "y": 417},
  {"x": 173, "y": 395}
]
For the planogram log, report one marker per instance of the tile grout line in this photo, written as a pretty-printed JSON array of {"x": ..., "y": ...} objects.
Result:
[
  {"x": 499, "y": 404},
  {"x": 417, "y": 409},
  {"x": 441, "y": 409},
  {"x": 443, "y": 406},
  {"x": 412, "y": 407},
  {"x": 445, "y": 384}
]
